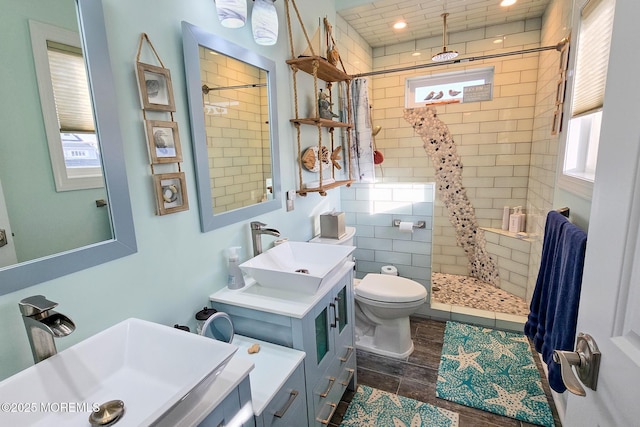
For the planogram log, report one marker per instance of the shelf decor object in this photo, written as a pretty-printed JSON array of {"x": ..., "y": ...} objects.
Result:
[{"x": 320, "y": 69}]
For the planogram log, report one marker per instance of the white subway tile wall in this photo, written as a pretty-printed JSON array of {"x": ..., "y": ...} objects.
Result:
[
  {"x": 493, "y": 137},
  {"x": 372, "y": 209},
  {"x": 544, "y": 148},
  {"x": 512, "y": 255},
  {"x": 237, "y": 131},
  {"x": 506, "y": 144}
]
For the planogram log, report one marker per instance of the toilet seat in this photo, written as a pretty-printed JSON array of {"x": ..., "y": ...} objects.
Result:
[{"x": 390, "y": 289}]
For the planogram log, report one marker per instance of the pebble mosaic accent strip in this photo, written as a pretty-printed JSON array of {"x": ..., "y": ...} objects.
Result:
[
  {"x": 473, "y": 293},
  {"x": 440, "y": 146}
]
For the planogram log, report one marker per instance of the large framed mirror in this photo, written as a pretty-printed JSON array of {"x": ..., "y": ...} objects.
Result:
[
  {"x": 48, "y": 230},
  {"x": 233, "y": 111}
]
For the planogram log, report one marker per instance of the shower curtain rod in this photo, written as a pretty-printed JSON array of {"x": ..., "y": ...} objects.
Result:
[
  {"x": 557, "y": 47},
  {"x": 206, "y": 89}
]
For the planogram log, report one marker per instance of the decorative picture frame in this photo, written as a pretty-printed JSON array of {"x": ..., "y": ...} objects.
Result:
[
  {"x": 171, "y": 192},
  {"x": 156, "y": 89},
  {"x": 163, "y": 139}
]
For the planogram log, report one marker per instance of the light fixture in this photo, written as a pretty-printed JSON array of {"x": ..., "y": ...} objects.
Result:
[
  {"x": 264, "y": 21},
  {"x": 507, "y": 3},
  {"x": 232, "y": 13},
  {"x": 445, "y": 55},
  {"x": 400, "y": 25}
]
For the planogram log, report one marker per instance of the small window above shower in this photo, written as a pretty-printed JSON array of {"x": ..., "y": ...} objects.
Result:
[{"x": 473, "y": 85}]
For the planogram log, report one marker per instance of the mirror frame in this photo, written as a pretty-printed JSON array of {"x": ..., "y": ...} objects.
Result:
[
  {"x": 192, "y": 38},
  {"x": 123, "y": 243}
]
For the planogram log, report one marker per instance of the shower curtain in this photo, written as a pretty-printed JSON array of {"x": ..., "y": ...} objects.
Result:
[{"x": 362, "y": 166}]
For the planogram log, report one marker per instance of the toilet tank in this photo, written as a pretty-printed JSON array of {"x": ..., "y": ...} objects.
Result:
[{"x": 347, "y": 239}]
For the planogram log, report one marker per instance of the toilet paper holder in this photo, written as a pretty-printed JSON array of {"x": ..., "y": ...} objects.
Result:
[{"x": 419, "y": 224}]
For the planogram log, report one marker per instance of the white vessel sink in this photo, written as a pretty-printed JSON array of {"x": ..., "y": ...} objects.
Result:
[
  {"x": 297, "y": 266},
  {"x": 152, "y": 368}
]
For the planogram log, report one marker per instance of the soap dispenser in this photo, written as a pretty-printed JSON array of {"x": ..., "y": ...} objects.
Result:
[
  {"x": 516, "y": 220},
  {"x": 235, "y": 280}
]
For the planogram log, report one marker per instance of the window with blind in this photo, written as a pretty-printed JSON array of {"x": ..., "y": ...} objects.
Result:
[
  {"x": 590, "y": 75},
  {"x": 66, "y": 108}
]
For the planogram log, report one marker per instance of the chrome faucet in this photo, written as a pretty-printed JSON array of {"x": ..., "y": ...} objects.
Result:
[
  {"x": 43, "y": 324},
  {"x": 257, "y": 230}
]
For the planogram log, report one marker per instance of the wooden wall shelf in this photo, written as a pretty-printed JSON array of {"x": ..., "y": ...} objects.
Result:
[
  {"x": 326, "y": 71},
  {"x": 322, "y": 189},
  {"x": 326, "y": 123}
]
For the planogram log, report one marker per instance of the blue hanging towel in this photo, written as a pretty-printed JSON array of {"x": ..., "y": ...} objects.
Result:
[{"x": 551, "y": 323}]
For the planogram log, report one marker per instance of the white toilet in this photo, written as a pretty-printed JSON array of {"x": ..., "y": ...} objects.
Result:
[{"x": 383, "y": 306}]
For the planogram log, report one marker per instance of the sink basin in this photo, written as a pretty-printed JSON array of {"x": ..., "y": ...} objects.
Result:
[
  {"x": 151, "y": 367},
  {"x": 297, "y": 266}
]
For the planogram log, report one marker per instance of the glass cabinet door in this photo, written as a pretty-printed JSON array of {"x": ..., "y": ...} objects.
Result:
[
  {"x": 341, "y": 307},
  {"x": 322, "y": 335}
]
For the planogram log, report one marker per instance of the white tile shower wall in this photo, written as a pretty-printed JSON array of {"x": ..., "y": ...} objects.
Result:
[
  {"x": 372, "y": 208},
  {"x": 493, "y": 138},
  {"x": 512, "y": 255},
  {"x": 356, "y": 54},
  {"x": 235, "y": 121},
  {"x": 544, "y": 147}
]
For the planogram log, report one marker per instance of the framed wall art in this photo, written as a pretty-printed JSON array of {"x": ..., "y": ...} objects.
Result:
[
  {"x": 164, "y": 141},
  {"x": 156, "y": 89},
  {"x": 171, "y": 192}
]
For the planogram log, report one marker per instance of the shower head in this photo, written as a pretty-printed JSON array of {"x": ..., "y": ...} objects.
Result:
[
  {"x": 445, "y": 55},
  {"x": 376, "y": 130}
]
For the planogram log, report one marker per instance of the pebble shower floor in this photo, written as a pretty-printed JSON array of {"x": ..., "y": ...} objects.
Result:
[{"x": 474, "y": 293}]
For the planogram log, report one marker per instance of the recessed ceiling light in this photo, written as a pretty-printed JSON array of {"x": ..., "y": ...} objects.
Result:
[
  {"x": 400, "y": 25},
  {"x": 505, "y": 3}
]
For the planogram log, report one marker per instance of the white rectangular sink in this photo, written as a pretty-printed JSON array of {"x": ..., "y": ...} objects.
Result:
[
  {"x": 297, "y": 266},
  {"x": 151, "y": 367}
]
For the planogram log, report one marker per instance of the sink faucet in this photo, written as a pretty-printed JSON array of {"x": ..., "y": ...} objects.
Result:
[
  {"x": 43, "y": 324},
  {"x": 257, "y": 230}
]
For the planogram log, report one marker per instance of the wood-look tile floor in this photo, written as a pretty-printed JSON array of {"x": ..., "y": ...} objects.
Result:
[{"x": 416, "y": 378}]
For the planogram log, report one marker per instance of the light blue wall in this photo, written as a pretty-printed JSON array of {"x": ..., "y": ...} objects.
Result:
[{"x": 176, "y": 266}]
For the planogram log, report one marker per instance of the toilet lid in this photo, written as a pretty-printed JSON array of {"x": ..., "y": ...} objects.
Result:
[{"x": 387, "y": 288}]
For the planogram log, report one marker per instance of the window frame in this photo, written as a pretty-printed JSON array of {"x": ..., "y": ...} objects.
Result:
[
  {"x": 65, "y": 179},
  {"x": 580, "y": 186},
  {"x": 411, "y": 84}
]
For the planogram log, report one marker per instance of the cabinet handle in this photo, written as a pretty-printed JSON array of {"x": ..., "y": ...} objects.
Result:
[
  {"x": 346, "y": 355},
  {"x": 332, "y": 380},
  {"x": 335, "y": 315},
  {"x": 333, "y": 410},
  {"x": 346, "y": 382},
  {"x": 337, "y": 300},
  {"x": 285, "y": 408}
]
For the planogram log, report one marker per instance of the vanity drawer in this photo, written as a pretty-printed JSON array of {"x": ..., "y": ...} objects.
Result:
[
  {"x": 330, "y": 389},
  {"x": 289, "y": 406}
]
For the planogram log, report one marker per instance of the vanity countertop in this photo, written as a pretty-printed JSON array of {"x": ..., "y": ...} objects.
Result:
[
  {"x": 210, "y": 397},
  {"x": 277, "y": 301},
  {"x": 274, "y": 364}
]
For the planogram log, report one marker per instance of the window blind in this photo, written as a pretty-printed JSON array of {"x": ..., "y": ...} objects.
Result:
[
  {"x": 70, "y": 88},
  {"x": 594, "y": 42}
]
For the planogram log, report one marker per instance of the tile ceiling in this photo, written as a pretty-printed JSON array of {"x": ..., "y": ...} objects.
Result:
[{"x": 373, "y": 21}]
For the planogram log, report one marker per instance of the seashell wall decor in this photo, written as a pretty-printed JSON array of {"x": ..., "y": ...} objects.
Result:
[{"x": 440, "y": 146}]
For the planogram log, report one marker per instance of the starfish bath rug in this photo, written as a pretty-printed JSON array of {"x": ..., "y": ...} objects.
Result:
[
  {"x": 373, "y": 407},
  {"x": 493, "y": 371}
]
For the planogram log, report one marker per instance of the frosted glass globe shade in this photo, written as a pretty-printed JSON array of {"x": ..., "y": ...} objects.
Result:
[{"x": 264, "y": 21}]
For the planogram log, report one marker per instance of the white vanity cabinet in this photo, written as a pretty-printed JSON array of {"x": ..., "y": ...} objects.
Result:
[{"x": 321, "y": 325}]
